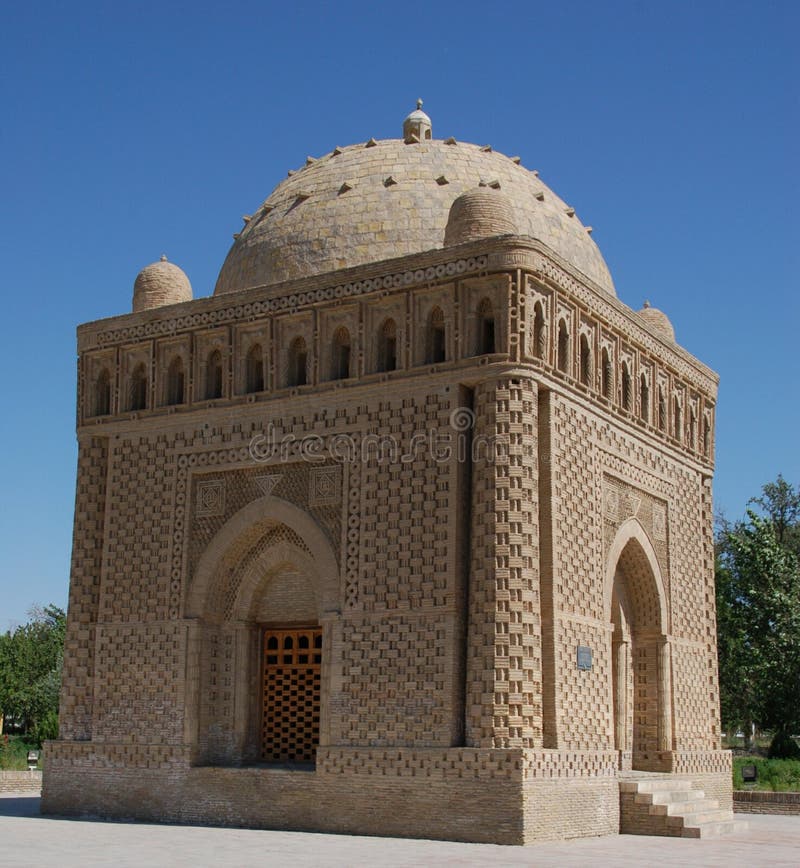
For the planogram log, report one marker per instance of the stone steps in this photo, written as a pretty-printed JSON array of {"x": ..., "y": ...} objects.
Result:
[
  {"x": 715, "y": 830},
  {"x": 673, "y": 807}
]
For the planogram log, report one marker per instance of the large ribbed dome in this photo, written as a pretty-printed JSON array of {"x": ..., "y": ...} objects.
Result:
[{"x": 379, "y": 200}]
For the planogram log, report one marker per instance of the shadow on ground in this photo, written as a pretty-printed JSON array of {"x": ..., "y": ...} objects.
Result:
[{"x": 20, "y": 806}]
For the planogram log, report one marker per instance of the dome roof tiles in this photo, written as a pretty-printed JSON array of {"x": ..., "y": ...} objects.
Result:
[{"x": 338, "y": 212}]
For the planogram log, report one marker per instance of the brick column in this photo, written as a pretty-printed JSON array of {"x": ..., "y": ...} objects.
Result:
[
  {"x": 503, "y": 689},
  {"x": 77, "y": 681},
  {"x": 621, "y": 656},
  {"x": 664, "y": 695}
]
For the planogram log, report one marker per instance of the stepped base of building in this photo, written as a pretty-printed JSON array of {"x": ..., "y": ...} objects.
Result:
[
  {"x": 659, "y": 804},
  {"x": 460, "y": 794}
]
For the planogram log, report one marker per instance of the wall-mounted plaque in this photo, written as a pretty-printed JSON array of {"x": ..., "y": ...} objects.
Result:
[{"x": 584, "y": 657}]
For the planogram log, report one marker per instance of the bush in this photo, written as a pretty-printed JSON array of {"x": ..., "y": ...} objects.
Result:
[
  {"x": 14, "y": 752},
  {"x": 778, "y": 775},
  {"x": 783, "y": 746},
  {"x": 46, "y": 728}
]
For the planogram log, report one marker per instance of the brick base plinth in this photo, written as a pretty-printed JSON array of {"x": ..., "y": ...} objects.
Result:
[
  {"x": 461, "y": 794},
  {"x": 762, "y": 802},
  {"x": 21, "y": 782}
]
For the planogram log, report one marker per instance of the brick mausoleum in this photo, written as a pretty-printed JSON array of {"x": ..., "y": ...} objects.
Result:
[{"x": 405, "y": 530}]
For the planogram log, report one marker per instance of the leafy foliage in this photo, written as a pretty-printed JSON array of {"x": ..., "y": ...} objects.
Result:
[
  {"x": 758, "y": 615},
  {"x": 779, "y": 775},
  {"x": 14, "y": 752},
  {"x": 30, "y": 672}
]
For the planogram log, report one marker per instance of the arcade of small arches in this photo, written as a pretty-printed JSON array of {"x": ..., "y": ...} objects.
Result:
[
  {"x": 624, "y": 380},
  {"x": 615, "y": 381},
  {"x": 339, "y": 364}
]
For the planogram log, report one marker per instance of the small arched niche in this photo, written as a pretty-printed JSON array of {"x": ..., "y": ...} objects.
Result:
[{"x": 102, "y": 394}]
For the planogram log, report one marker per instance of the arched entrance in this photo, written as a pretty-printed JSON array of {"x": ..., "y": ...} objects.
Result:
[
  {"x": 640, "y": 652},
  {"x": 263, "y": 599}
]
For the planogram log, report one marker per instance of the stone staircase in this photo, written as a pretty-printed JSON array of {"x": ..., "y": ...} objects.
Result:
[{"x": 672, "y": 806}]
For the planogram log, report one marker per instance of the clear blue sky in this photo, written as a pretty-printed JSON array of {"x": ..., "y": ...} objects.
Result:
[{"x": 135, "y": 128}]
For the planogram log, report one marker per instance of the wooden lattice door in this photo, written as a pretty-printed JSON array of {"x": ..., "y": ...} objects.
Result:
[{"x": 291, "y": 688}]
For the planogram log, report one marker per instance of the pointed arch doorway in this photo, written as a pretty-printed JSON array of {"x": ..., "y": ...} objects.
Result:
[
  {"x": 264, "y": 600},
  {"x": 641, "y": 672}
]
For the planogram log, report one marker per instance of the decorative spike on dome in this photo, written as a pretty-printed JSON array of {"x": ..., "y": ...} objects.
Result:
[{"x": 417, "y": 126}]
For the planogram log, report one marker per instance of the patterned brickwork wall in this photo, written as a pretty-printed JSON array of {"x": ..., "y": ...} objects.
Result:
[
  {"x": 71, "y": 756},
  {"x": 396, "y": 681},
  {"x": 406, "y": 491},
  {"x": 75, "y": 709},
  {"x": 594, "y": 464},
  {"x": 694, "y": 618},
  {"x": 694, "y": 693},
  {"x": 505, "y": 658},
  {"x": 136, "y": 580},
  {"x": 710, "y": 608},
  {"x": 576, "y": 539},
  {"x": 583, "y": 709},
  {"x": 399, "y": 679},
  {"x": 217, "y": 742},
  {"x": 139, "y": 692},
  {"x": 585, "y": 705},
  {"x": 688, "y": 600}
]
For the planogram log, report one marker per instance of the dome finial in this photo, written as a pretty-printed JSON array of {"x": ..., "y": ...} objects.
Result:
[
  {"x": 647, "y": 302},
  {"x": 417, "y": 126},
  {"x": 163, "y": 257}
]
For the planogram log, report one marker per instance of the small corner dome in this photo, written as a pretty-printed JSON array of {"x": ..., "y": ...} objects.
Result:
[
  {"x": 479, "y": 213},
  {"x": 159, "y": 284},
  {"x": 658, "y": 321}
]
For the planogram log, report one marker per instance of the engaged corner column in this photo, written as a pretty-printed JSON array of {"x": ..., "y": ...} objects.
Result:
[
  {"x": 621, "y": 678},
  {"x": 664, "y": 695}
]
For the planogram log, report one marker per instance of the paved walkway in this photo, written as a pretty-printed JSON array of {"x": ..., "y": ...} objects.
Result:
[{"x": 28, "y": 839}]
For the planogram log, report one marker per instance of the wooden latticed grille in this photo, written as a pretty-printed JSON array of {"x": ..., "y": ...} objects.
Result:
[{"x": 291, "y": 685}]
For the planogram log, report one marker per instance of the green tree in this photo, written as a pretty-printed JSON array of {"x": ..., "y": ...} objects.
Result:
[
  {"x": 30, "y": 671},
  {"x": 738, "y": 700},
  {"x": 781, "y": 504},
  {"x": 758, "y": 613}
]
